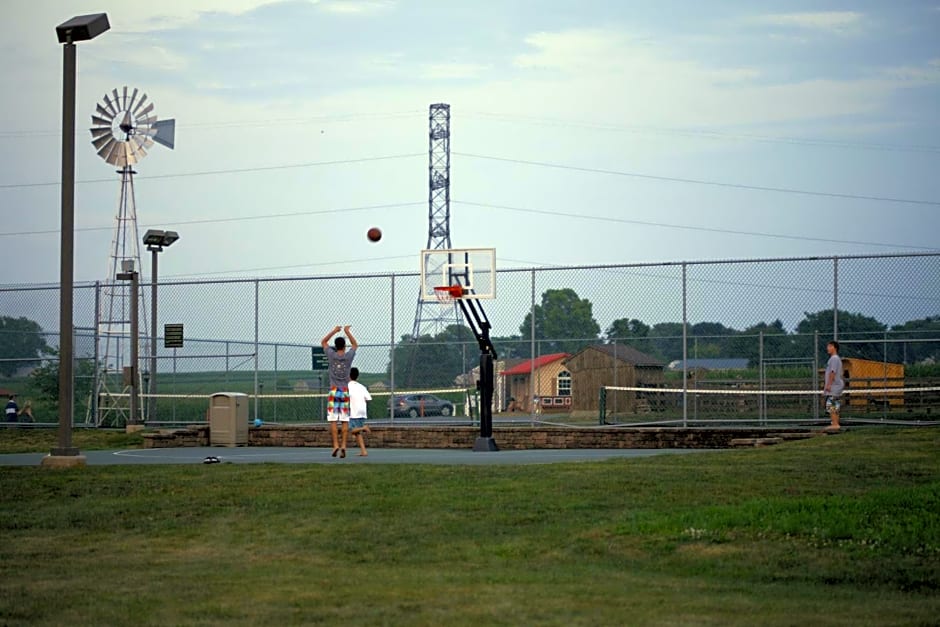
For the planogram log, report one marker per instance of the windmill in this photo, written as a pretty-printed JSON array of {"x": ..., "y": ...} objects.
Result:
[{"x": 124, "y": 127}]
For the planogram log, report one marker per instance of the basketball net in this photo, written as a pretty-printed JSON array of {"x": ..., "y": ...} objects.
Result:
[{"x": 446, "y": 294}]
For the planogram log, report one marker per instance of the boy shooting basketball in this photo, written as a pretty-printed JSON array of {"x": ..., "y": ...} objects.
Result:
[{"x": 339, "y": 360}]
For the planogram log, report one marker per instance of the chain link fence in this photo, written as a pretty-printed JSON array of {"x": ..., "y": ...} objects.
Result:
[{"x": 757, "y": 324}]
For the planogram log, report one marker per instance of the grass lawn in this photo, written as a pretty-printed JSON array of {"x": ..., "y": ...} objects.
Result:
[{"x": 840, "y": 530}]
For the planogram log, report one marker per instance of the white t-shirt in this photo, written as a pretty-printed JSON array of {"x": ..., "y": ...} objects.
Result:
[{"x": 358, "y": 395}]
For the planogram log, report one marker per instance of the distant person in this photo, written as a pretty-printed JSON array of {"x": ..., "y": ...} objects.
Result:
[
  {"x": 13, "y": 410},
  {"x": 28, "y": 411},
  {"x": 358, "y": 410},
  {"x": 339, "y": 360},
  {"x": 834, "y": 384}
]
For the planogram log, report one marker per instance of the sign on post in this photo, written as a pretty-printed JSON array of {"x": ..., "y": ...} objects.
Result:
[
  {"x": 318, "y": 358},
  {"x": 173, "y": 336}
]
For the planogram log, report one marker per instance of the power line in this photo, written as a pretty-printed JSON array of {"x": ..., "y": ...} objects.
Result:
[
  {"x": 804, "y": 141},
  {"x": 233, "y": 124},
  {"x": 685, "y": 227},
  {"x": 290, "y": 267},
  {"x": 288, "y": 166},
  {"x": 674, "y": 179},
  {"x": 236, "y": 219}
]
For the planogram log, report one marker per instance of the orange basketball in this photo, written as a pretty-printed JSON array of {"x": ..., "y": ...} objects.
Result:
[{"x": 374, "y": 234}]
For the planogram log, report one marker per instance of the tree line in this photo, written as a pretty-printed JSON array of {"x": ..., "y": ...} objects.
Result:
[{"x": 564, "y": 323}]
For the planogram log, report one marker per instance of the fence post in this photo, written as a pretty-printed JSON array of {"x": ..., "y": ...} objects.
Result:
[
  {"x": 96, "y": 380},
  {"x": 815, "y": 374},
  {"x": 835, "y": 298},
  {"x": 602, "y": 407},
  {"x": 685, "y": 349},
  {"x": 391, "y": 367},
  {"x": 532, "y": 352},
  {"x": 256, "y": 348},
  {"x": 761, "y": 375}
]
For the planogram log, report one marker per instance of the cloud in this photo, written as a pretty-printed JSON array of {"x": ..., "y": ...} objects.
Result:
[
  {"x": 355, "y": 7},
  {"x": 840, "y": 22}
]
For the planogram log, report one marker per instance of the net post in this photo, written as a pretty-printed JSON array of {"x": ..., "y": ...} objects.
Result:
[{"x": 602, "y": 406}]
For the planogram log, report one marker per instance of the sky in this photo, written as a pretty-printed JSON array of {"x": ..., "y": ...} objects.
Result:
[{"x": 582, "y": 133}]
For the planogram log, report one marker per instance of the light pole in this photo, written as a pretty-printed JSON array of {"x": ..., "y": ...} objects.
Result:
[
  {"x": 80, "y": 28},
  {"x": 155, "y": 240},
  {"x": 129, "y": 274}
]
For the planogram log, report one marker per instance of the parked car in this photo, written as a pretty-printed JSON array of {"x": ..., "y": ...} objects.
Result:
[{"x": 415, "y": 405}]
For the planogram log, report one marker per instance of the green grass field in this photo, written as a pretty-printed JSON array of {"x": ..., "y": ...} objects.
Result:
[{"x": 839, "y": 530}]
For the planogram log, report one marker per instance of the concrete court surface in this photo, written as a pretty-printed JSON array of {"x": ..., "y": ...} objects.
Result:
[{"x": 310, "y": 455}]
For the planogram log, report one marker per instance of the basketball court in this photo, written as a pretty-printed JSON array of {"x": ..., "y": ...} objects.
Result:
[{"x": 310, "y": 455}]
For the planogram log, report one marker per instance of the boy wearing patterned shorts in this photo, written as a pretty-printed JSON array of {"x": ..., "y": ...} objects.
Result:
[{"x": 339, "y": 359}]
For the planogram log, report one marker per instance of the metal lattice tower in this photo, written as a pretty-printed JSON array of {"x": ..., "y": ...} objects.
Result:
[
  {"x": 114, "y": 312},
  {"x": 124, "y": 127},
  {"x": 431, "y": 317}
]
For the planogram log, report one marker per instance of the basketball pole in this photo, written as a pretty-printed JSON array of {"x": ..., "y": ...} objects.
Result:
[{"x": 480, "y": 325}]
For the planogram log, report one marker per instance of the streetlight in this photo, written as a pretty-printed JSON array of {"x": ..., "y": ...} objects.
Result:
[
  {"x": 129, "y": 274},
  {"x": 79, "y": 28},
  {"x": 155, "y": 240}
]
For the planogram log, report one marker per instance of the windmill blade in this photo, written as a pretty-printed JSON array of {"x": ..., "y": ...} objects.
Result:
[
  {"x": 137, "y": 149},
  {"x": 130, "y": 105},
  {"x": 145, "y": 111},
  {"x": 165, "y": 133},
  {"x": 98, "y": 131},
  {"x": 124, "y": 101},
  {"x": 105, "y": 149},
  {"x": 103, "y": 143},
  {"x": 147, "y": 142},
  {"x": 147, "y": 121},
  {"x": 143, "y": 99},
  {"x": 104, "y": 113},
  {"x": 101, "y": 122},
  {"x": 117, "y": 98},
  {"x": 111, "y": 107}
]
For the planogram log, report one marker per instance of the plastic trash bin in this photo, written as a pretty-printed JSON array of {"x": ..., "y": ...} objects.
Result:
[{"x": 228, "y": 419}]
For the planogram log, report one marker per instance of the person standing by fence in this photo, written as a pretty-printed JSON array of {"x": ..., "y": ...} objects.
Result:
[{"x": 834, "y": 384}]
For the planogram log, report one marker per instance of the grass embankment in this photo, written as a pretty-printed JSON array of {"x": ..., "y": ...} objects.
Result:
[{"x": 837, "y": 530}]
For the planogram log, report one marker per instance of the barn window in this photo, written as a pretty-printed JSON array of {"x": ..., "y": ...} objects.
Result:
[{"x": 564, "y": 383}]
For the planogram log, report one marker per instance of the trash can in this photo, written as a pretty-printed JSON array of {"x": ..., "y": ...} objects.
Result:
[{"x": 228, "y": 419}]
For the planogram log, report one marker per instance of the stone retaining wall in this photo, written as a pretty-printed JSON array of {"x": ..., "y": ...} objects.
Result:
[{"x": 507, "y": 438}]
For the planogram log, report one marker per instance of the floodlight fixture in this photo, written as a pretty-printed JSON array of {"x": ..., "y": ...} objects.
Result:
[{"x": 82, "y": 28}]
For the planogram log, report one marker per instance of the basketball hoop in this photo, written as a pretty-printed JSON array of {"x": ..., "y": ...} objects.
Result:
[{"x": 447, "y": 293}]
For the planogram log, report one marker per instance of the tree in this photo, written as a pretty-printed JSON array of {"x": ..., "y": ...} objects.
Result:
[
  {"x": 46, "y": 380},
  {"x": 665, "y": 340},
  {"x": 564, "y": 323},
  {"x": 852, "y": 326},
  {"x": 435, "y": 361},
  {"x": 627, "y": 329},
  {"x": 21, "y": 344},
  {"x": 777, "y": 342},
  {"x": 916, "y": 351}
]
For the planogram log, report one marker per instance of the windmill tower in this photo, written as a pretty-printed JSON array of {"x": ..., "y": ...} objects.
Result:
[
  {"x": 431, "y": 316},
  {"x": 123, "y": 127}
]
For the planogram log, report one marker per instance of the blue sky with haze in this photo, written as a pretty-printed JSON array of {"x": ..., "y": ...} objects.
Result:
[{"x": 560, "y": 113}]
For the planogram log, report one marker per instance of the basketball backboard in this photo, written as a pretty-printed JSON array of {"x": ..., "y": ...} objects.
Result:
[{"x": 474, "y": 269}]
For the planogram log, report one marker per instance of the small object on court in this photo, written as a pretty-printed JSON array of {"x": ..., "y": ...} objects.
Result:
[
  {"x": 211, "y": 459},
  {"x": 374, "y": 234},
  {"x": 258, "y": 422}
]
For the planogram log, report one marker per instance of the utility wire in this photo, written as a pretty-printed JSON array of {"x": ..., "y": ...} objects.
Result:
[
  {"x": 235, "y": 219},
  {"x": 686, "y": 227},
  {"x": 288, "y": 166},
  {"x": 691, "y": 132},
  {"x": 674, "y": 179}
]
